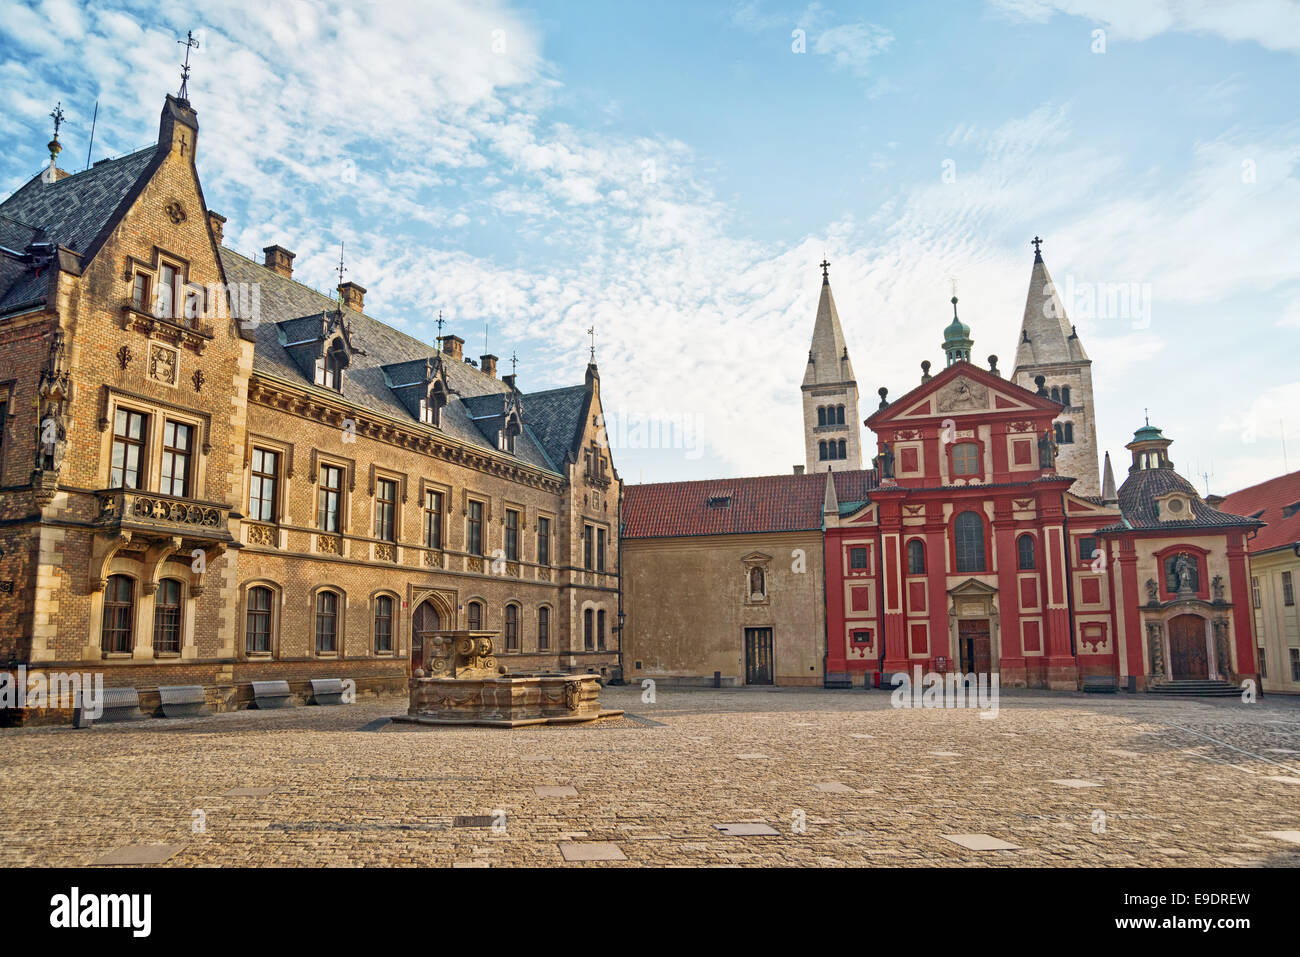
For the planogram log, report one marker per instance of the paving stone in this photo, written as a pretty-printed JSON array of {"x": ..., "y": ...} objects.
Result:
[
  {"x": 747, "y": 829},
  {"x": 834, "y": 787},
  {"x": 1292, "y": 836},
  {"x": 139, "y": 854},
  {"x": 596, "y": 851},
  {"x": 980, "y": 842},
  {"x": 555, "y": 791},
  {"x": 946, "y": 754},
  {"x": 1074, "y": 783},
  {"x": 1284, "y": 780},
  {"x": 752, "y": 757},
  {"x": 247, "y": 792}
]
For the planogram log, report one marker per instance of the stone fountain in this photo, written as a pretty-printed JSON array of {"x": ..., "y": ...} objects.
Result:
[{"x": 466, "y": 685}]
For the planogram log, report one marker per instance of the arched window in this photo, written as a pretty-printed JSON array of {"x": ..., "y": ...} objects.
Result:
[
  {"x": 118, "y": 626},
  {"x": 512, "y": 627},
  {"x": 329, "y": 367},
  {"x": 968, "y": 536},
  {"x": 1067, "y": 436},
  {"x": 966, "y": 459},
  {"x": 588, "y": 626},
  {"x": 474, "y": 616},
  {"x": 839, "y": 415},
  {"x": 327, "y": 622},
  {"x": 1060, "y": 436},
  {"x": 842, "y": 454},
  {"x": 821, "y": 451},
  {"x": 600, "y": 630},
  {"x": 821, "y": 415},
  {"x": 1065, "y": 395},
  {"x": 916, "y": 557},
  {"x": 1056, "y": 394},
  {"x": 543, "y": 629},
  {"x": 1025, "y": 552},
  {"x": 167, "y": 618},
  {"x": 383, "y": 624},
  {"x": 257, "y": 632}
]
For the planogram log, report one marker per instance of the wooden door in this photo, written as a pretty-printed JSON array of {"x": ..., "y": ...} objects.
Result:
[
  {"x": 974, "y": 646},
  {"x": 758, "y": 656},
  {"x": 424, "y": 623},
  {"x": 1187, "y": 652}
]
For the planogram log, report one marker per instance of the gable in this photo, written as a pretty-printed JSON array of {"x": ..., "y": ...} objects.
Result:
[{"x": 962, "y": 389}]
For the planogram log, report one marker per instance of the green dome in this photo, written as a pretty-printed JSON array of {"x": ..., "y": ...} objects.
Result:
[
  {"x": 956, "y": 331},
  {"x": 957, "y": 342},
  {"x": 1147, "y": 433}
]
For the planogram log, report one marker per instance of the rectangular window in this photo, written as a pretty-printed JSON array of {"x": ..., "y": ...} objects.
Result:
[
  {"x": 258, "y": 629},
  {"x": 512, "y": 627},
  {"x": 178, "y": 442},
  {"x": 588, "y": 627},
  {"x": 475, "y": 529},
  {"x": 329, "y": 501},
  {"x": 543, "y": 629},
  {"x": 1255, "y": 597},
  {"x": 4, "y": 413},
  {"x": 327, "y": 622},
  {"x": 600, "y": 630},
  {"x": 386, "y": 510},
  {"x": 432, "y": 519},
  {"x": 857, "y": 558},
  {"x": 129, "y": 430},
  {"x": 1288, "y": 590},
  {"x": 1263, "y": 664},
  {"x": 262, "y": 485},
  {"x": 588, "y": 540},
  {"x": 165, "y": 307},
  {"x": 1086, "y": 548},
  {"x": 167, "y": 618},
  {"x": 543, "y": 541},
  {"x": 600, "y": 551},
  {"x": 383, "y": 624},
  {"x": 140, "y": 292},
  {"x": 1295, "y": 664},
  {"x": 512, "y": 535},
  {"x": 118, "y": 623}
]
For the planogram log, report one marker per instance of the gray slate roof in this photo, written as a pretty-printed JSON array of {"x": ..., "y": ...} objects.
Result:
[
  {"x": 77, "y": 211},
  {"x": 1137, "y": 503},
  {"x": 551, "y": 418}
]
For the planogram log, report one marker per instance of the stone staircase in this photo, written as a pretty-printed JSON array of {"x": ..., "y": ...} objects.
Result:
[{"x": 1197, "y": 688}]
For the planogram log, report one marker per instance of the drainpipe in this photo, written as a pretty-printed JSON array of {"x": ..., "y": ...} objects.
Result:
[
  {"x": 622, "y": 674},
  {"x": 1069, "y": 580}
]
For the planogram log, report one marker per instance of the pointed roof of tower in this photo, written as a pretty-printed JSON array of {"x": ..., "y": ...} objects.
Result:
[
  {"x": 828, "y": 356},
  {"x": 1046, "y": 334},
  {"x": 1108, "y": 494}
]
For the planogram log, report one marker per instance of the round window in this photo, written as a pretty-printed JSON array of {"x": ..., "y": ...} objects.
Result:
[{"x": 1176, "y": 505}]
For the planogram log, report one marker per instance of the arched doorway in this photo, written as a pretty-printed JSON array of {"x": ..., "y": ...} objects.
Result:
[
  {"x": 1188, "y": 648},
  {"x": 424, "y": 624}
]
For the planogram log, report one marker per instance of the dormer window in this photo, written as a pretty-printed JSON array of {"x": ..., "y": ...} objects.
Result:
[
  {"x": 329, "y": 367},
  {"x": 432, "y": 404}
]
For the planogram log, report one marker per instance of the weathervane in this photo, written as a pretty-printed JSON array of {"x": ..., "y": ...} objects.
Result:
[
  {"x": 55, "y": 146},
  {"x": 592, "y": 332},
  {"x": 514, "y": 360},
  {"x": 439, "y": 330},
  {"x": 190, "y": 44},
  {"x": 342, "y": 268}
]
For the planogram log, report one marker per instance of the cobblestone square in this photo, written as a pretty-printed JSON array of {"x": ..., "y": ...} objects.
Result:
[{"x": 839, "y": 776}]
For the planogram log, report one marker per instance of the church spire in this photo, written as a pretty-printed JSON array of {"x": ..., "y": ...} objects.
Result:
[
  {"x": 828, "y": 357},
  {"x": 832, "y": 433},
  {"x": 1108, "y": 494},
  {"x": 957, "y": 342},
  {"x": 1045, "y": 331}
]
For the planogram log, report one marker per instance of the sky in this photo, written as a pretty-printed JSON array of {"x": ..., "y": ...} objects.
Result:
[{"x": 671, "y": 174}]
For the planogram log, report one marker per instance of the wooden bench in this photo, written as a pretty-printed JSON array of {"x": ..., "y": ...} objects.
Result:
[
  {"x": 1099, "y": 684},
  {"x": 120, "y": 704},
  {"x": 182, "y": 701},
  {"x": 326, "y": 691},
  {"x": 271, "y": 694}
]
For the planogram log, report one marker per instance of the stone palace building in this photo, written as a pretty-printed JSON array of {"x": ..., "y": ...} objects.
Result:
[{"x": 212, "y": 474}]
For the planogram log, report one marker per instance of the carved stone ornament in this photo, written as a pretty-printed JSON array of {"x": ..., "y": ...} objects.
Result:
[
  {"x": 162, "y": 364},
  {"x": 1155, "y": 640},
  {"x": 176, "y": 213},
  {"x": 961, "y": 394}
]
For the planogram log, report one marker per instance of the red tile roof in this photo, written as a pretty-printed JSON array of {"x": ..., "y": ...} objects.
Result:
[
  {"x": 1270, "y": 498},
  {"x": 764, "y": 503}
]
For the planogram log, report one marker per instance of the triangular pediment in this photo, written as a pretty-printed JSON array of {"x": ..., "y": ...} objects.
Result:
[
  {"x": 961, "y": 389},
  {"x": 1075, "y": 505},
  {"x": 972, "y": 586}
]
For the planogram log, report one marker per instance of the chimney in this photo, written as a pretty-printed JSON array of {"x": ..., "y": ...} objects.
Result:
[
  {"x": 488, "y": 364},
  {"x": 453, "y": 345},
  {"x": 216, "y": 223},
  {"x": 509, "y": 380},
  {"x": 279, "y": 260},
  {"x": 353, "y": 296},
  {"x": 798, "y": 470}
]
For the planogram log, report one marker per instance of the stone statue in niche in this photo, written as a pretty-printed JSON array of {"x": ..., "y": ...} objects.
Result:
[
  {"x": 757, "y": 584},
  {"x": 1221, "y": 647},
  {"x": 1216, "y": 583},
  {"x": 1047, "y": 450},
  {"x": 885, "y": 461},
  {"x": 1184, "y": 569}
]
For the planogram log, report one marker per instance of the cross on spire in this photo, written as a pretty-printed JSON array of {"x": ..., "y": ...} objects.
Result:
[
  {"x": 592, "y": 332},
  {"x": 190, "y": 44},
  {"x": 826, "y": 267},
  {"x": 514, "y": 360},
  {"x": 439, "y": 330},
  {"x": 1038, "y": 253}
]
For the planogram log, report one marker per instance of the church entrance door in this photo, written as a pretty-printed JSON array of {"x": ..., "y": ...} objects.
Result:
[
  {"x": 1188, "y": 657},
  {"x": 758, "y": 656},
  {"x": 973, "y": 645}
]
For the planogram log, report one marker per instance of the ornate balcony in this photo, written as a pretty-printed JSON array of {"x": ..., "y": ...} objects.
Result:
[{"x": 135, "y": 510}]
